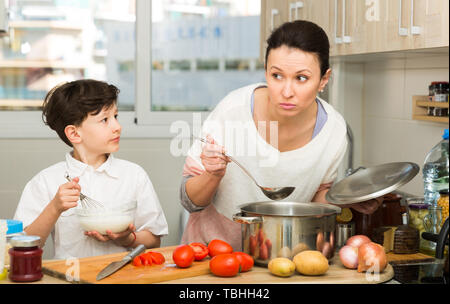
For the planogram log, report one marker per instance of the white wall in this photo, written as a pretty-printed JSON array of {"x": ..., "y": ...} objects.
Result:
[
  {"x": 375, "y": 97},
  {"x": 21, "y": 159}
]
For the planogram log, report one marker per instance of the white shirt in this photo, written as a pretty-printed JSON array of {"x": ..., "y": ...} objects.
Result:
[
  {"x": 114, "y": 183},
  {"x": 231, "y": 125}
]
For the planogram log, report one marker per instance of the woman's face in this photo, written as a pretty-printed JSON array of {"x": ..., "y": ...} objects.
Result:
[{"x": 293, "y": 80}]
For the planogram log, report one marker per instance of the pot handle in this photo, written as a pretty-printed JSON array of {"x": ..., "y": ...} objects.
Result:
[{"x": 240, "y": 218}]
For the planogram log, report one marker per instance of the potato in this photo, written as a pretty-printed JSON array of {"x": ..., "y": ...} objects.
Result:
[
  {"x": 284, "y": 252},
  {"x": 299, "y": 248},
  {"x": 281, "y": 267},
  {"x": 311, "y": 262}
]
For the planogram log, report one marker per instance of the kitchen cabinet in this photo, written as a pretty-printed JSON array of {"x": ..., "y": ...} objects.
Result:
[{"x": 361, "y": 27}]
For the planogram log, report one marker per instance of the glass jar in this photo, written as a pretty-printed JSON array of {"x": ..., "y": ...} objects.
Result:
[
  {"x": 25, "y": 259},
  {"x": 417, "y": 210},
  {"x": 441, "y": 92},
  {"x": 443, "y": 203},
  {"x": 432, "y": 224},
  {"x": 3, "y": 228}
]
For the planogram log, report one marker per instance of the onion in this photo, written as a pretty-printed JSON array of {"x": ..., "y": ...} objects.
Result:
[
  {"x": 349, "y": 256},
  {"x": 371, "y": 257},
  {"x": 357, "y": 240}
]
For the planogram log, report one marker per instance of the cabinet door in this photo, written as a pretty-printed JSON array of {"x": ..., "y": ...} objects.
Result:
[
  {"x": 337, "y": 46},
  {"x": 398, "y": 34},
  {"x": 435, "y": 14},
  {"x": 273, "y": 14},
  {"x": 319, "y": 12},
  {"x": 354, "y": 36}
]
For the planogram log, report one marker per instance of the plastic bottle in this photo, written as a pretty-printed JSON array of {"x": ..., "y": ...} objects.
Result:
[{"x": 435, "y": 171}]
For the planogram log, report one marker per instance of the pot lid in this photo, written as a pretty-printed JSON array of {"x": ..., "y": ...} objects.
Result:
[
  {"x": 372, "y": 182},
  {"x": 281, "y": 208}
]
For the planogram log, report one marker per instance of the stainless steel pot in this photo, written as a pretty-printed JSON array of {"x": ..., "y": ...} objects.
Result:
[{"x": 283, "y": 229}]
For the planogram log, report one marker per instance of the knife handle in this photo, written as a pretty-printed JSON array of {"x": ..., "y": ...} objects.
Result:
[{"x": 135, "y": 252}]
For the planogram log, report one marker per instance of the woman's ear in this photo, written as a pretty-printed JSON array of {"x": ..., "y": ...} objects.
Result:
[
  {"x": 324, "y": 80},
  {"x": 72, "y": 134}
]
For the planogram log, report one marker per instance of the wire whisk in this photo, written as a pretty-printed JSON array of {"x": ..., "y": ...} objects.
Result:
[{"x": 86, "y": 202}]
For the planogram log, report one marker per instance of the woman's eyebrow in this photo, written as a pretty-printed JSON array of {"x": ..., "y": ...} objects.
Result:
[{"x": 300, "y": 71}]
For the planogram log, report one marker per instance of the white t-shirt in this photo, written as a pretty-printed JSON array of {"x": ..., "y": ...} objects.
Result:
[
  {"x": 114, "y": 183},
  {"x": 231, "y": 124}
]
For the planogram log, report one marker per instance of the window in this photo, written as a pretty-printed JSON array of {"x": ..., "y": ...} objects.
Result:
[
  {"x": 54, "y": 41},
  {"x": 199, "y": 52},
  {"x": 184, "y": 59}
]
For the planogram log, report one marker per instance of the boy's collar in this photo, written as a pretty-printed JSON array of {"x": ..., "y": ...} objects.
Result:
[{"x": 77, "y": 168}]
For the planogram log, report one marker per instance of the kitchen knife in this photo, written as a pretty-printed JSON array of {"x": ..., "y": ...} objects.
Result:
[{"x": 114, "y": 266}]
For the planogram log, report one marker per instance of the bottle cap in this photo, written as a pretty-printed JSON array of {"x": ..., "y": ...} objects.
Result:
[
  {"x": 445, "y": 135},
  {"x": 14, "y": 226}
]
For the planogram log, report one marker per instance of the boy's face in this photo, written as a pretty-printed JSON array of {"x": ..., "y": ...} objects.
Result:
[{"x": 101, "y": 133}]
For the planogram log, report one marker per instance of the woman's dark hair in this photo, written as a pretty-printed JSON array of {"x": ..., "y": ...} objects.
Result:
[
  {"x": 303, "y": 35},
  {"x": 72, "y": 102}
]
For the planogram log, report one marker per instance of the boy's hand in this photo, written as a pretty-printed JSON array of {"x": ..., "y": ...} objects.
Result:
[
  {"x": 67, "y": 196},
  {"x": 121, "y": 238}
]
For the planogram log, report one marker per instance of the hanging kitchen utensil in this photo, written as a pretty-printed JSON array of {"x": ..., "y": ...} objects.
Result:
[
  {"x": 372, "y": 182},
  {"x": 274, "y": 193}
]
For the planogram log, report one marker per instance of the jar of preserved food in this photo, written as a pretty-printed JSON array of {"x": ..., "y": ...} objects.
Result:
[
  {"x": 25, "y": 259},
  {"x": 441, "y": 92},
  {"x": 443, "y": 203},
  {"x": 417, "y": 210}
]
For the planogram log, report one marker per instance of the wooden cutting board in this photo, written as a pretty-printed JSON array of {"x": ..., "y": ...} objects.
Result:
[
  {"x": 336, "y": 274},
  {"x": 129, "y": 274},
  {"x": 408, "y": 258},
  {"x": 199, "y": 273}
]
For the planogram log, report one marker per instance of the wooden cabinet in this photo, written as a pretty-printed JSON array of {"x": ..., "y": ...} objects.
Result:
[{"x": 359, "y": 27}]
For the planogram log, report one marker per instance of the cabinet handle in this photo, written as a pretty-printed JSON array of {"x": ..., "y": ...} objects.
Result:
[
  {"x": 294, "y": 6},
  {"x": 273, "y": 12},
  {"x": 337, "y": 40},
  {"x": 346, "y": 39},
  {"x": 402, "y": 31},
  {"x": 415, "y": 30}
]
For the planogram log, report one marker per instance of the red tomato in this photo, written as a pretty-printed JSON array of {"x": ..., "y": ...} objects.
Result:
[
  {"x": 183, "y": 256},
  {"x": 157, "y": 258},
  {"x": 137, "y": 261},
  {"x": 224, "y": 265},
  {"x": 245, "y": 260},
  {"x": 216, "y": 247},
  {"x": 146, "y": 259},
  {"x": 253, "y": 244},
  {"x": 200, "y": 251}
]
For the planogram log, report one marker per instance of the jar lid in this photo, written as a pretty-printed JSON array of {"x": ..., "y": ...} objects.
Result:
[
  {"x": 25, "y": 241},
  {"x": 443, "y": 192},
  {"x": 418, "y": 206},
  {"x": 14, "y": 226}
]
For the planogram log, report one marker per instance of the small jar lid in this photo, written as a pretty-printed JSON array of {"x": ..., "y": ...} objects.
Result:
[
  {"x": 443, "y": 192},
  {"x": 14, "y": 226},
  {"x": 25, "y": 241},
  {"x": 418, "y": 206}
]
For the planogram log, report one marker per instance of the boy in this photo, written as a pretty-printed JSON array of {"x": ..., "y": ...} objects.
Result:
[{"x": 84, "y": 115}]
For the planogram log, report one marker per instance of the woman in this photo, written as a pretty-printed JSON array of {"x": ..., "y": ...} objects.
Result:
[{"x": 279, "y": 130}]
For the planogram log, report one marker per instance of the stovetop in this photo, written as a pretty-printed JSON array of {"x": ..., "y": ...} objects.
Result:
[{"x": 420, "y": 273}]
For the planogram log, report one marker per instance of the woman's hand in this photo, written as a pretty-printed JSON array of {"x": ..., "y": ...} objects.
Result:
[
  {"x": 67, "y": 196},
  {"x": 122, "y": 238},
  {"x": 367, "y": 207},
  {"x": 213, "y": 158}
]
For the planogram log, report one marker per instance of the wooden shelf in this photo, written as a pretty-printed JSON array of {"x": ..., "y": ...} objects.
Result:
[
  {"x": 15, "y": 103},
  {"x": 41, "y": 64},
  {"x": 60, "y": 25},
  {"x": 420, "y": 109}
]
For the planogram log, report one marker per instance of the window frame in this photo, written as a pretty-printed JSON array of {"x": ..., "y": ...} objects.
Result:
[{"x": 140, "y": 123}]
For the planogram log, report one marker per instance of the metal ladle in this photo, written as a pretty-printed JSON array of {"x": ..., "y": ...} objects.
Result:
[{"x": 275, "y": 193}]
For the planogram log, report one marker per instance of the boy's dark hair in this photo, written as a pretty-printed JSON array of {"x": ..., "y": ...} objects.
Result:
[
  {"x": 303, "y": 35},
  {"x": 72, "y": 102}
]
